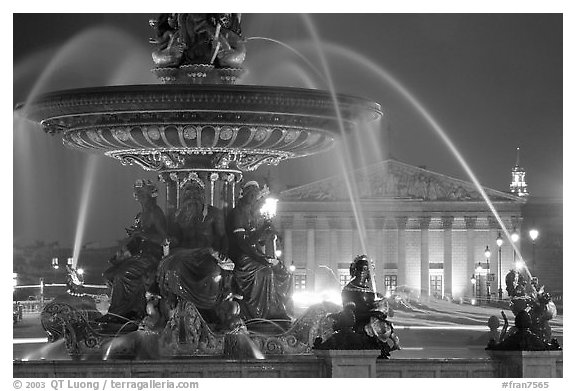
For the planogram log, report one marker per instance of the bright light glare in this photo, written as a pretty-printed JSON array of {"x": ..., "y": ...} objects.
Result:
[
  {"x": 278, "y": 253},
  {"x": 473, "y": 301},
  {"x": 306, "y": 299},
  {"x": 292, "y": 268},
  {"x": 80, "y": 271},
  {"x": 519, "y": 265},
  {"x": 533, "y": 234},
  {"x": 268, "y": 210},
  {"x": 514, "y": 236}
]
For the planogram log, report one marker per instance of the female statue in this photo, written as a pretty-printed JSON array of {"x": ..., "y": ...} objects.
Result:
[
  {"x": 262, "y": 280},
  {"x": 133, "y": 267}
]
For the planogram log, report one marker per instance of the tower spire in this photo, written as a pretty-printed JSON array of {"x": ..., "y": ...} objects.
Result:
[{"x": 518, "y": 185}]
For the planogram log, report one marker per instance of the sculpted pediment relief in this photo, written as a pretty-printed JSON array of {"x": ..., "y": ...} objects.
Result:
[{"x": 393, "y": 180}]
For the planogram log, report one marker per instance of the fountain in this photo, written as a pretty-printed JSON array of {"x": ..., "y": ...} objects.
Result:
[{"x": 199, "y": 126}]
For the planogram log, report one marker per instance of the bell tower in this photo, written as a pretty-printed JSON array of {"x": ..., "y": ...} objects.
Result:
[{"x": 518, "y": 185}]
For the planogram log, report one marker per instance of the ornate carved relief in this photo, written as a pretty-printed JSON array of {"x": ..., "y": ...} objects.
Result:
[{"x": 395, "y": 180}]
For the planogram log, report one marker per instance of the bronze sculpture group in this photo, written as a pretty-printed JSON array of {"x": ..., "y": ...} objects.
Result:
[
  {"x": 209, "y": 264},
  {"x": 533, "y": 308}
]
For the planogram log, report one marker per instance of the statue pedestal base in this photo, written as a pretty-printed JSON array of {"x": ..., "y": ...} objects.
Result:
[
  {"x": 527, "y": 364},
  {"x": 349, "y": 363}
]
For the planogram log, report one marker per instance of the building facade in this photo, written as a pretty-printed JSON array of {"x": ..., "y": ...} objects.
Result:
[{"x": 426, "y": 232}]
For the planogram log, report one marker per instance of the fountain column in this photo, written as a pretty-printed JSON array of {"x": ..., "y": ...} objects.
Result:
[
  {"x": 447, "y": 222},
  {"x": 220, "y": 185},
  {"x": 401, "y": 227},
  {"x": 424, "y": 255},
  {"x": 470, "y": 226}
]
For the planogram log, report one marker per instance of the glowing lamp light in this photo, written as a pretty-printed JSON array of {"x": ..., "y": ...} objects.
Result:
[
  {"x": 217, "y": 278},
  {"x": 278, "y": 253},
  {"x": 533, "y": 234},
  {"x": 80, "y": 271},
  {"x": 292, "y": 268},
  {"x": 473, "y": 301},
  {"x": 388, "y": 294},
  {"x": 499, "y": 240},
  {"x": 514, "y": 236},
  {"x": 487, "y": 252},
  {"x": 478, "y": 269},
  {"x": 268, "y": 210},
  {"x": 473, "y": 280}
]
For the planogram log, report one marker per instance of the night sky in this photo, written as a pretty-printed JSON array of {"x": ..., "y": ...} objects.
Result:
[{"x": 492, "y": 81}]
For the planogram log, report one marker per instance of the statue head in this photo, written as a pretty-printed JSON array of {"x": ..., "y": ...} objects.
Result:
[
  {"x": 192, "y": 191},
  {"x": 145, "y": 189},
  {"x": 493, "y": 323},
  {"x": 360, "y": 269},
  {"x": 250, "y": 192}
]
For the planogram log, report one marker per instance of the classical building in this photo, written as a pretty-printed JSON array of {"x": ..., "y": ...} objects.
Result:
[{"x": 426, "y": 232}]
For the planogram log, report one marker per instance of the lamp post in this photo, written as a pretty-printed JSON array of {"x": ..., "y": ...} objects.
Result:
[
  {"x": 473, "y": 281},
  {"x": 487, "y": 254},
  {"x": 533, "y": 235},
  {"x": 478, "y": 271},
  {"x": 499, "y": 242},
  {"x": 515, "y": 237}
]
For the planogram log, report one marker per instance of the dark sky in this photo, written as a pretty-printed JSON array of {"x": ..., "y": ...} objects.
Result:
[{"x": 492, "y": 81}]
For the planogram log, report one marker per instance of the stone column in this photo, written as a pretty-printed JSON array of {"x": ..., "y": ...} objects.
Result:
[
  {"x": 310, "y": 222},
  {"x": 494, "y": 267},
  {"x": 401, "y": 226},
  {"x": 171, "y": 182},
  {"x": 470, "y": 226},
  {"x": 424, "y": 256},
  {"x": 447, "y": 222}
]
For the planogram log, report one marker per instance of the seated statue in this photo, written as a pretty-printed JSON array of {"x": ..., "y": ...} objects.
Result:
[
  {"x": 261, "y": 278},
  {"x": 196, "y": 269},
  {"x": 362, "y": 324},
  {"x": 133, "y": 268}
]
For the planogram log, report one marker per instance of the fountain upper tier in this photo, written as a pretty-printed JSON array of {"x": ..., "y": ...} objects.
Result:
[{"x": 167, "y": 127}]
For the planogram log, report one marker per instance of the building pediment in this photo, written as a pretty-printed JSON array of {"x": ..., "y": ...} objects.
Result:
[{"x": 392, "y": 179}]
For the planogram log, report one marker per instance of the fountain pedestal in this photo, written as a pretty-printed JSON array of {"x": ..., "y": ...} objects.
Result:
[
  {"x": 527, "y": 364},
  {"x": 349, "y": 363}
]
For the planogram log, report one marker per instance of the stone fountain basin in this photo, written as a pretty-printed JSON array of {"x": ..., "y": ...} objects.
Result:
[{"x": 187, "y": 120}]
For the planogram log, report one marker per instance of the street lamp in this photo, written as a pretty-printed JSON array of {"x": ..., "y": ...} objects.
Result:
[
  {"x": 487, "y": 254},
  {"x": 533, "y": 235},
  {"x": 473, "y": 281},
  {"x": 515, "y": 237},
  {"x": 499, "y": 242},
  {"x": 478, "y": 273}
]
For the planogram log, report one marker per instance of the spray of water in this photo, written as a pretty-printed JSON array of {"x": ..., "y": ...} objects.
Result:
[
  {"x": 411, "y": 98},
  {"x": 85, "y": 197},
  {"x": 345, "y": 161}
]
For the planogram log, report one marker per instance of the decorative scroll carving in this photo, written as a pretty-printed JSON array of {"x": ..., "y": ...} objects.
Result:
[
  {"x": 191, "y": 159},
  {"x": 424, "y": 222},
  {"x": 470, "y": 222},
  {"x": 447, "y": 222}
]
